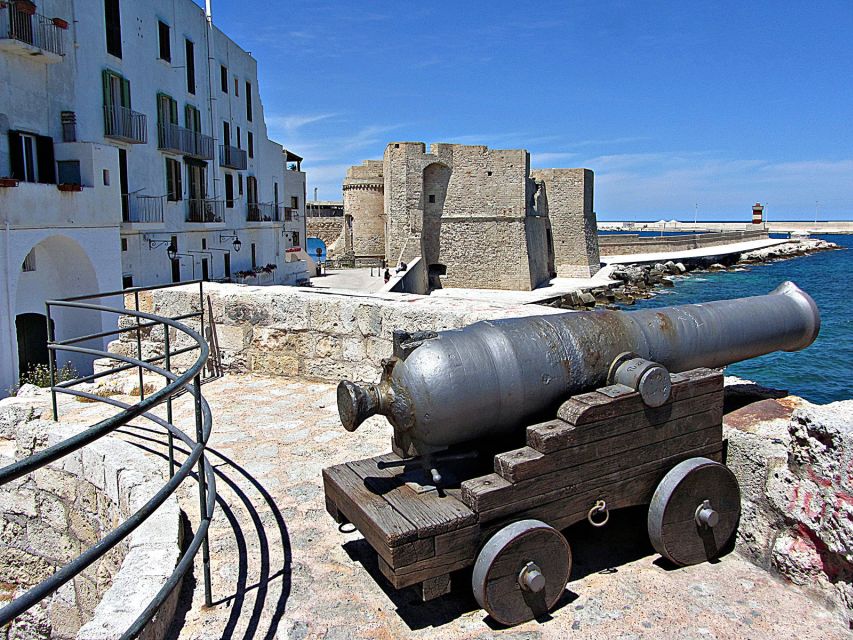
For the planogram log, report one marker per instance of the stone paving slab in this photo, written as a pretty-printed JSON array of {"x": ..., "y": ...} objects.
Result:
[{"x": 281, "y": 569}]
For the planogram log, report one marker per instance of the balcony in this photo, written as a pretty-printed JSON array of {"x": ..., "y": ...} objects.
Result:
[
  {"x": 263, "y": 212},
  {"x": 171, "y": 137},
  {"x": 142, "y": 209},
  {"x": 126, "y": 125},
  {"x": 205, "y": 210},
  {"x": 27, "y": 33},
  {"x": 232, "y": 157}
]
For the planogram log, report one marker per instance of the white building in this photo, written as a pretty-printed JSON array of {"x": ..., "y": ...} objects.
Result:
[{"x": 133, "y": 137}]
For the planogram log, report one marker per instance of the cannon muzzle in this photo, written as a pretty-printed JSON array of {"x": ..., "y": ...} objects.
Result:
[{"x": 494, "y": 376}]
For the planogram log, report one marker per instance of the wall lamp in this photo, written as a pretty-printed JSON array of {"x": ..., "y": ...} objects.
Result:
[
  {"x": 171, "y": 250},
  {"x": 232, "y": 236}
]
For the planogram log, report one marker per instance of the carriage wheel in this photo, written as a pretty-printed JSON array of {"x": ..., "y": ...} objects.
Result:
[
  {"x": 694, "y": 511},
  {"x": 522, "y": 571}
]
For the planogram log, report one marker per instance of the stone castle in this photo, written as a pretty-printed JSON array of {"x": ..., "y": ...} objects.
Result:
[{"x": 478, "y": 217}]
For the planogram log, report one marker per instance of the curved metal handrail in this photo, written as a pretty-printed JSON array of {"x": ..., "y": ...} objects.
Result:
[{"x": 189, "y": 381}]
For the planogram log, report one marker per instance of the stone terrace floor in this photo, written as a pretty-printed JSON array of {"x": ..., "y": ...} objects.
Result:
[{"x": 281, "y": 569}]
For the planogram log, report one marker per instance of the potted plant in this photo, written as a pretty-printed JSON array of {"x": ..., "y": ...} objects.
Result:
[
  {"x": 59, "y": 22},
  {"x": 26, "y": 7},
  {"x": 69, "y": 186},
  {"x": 8, "y": 182}
]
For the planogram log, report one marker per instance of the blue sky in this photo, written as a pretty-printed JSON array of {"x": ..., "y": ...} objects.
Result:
[{"x": 671, "y": 104}]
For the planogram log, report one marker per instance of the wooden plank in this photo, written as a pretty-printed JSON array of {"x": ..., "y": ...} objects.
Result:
[
  {"x": 594, "y": 406},
  {"x": 430, "y": 512},
  {"x": 621, "y": 489},
  {"x": 557, "y": 434},
  {"x": 482, "y": 497},
  {"x": 415, "y": 573},
  {"x": 377, "y": 521},
  {"x": 433, "y": 588},
  {"x": 631, "y": 432}
]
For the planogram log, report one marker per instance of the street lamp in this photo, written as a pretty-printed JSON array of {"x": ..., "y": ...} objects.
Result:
[
  {"x": 171, "y": 249},
  {"x": 231, "y": 236}
]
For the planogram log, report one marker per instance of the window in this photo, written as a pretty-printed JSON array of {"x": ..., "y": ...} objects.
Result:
[
  {"x": 116, "y": 89},
  {"x": 226, "y": 133},
  {"x": 174, "y": 189},
  {"x": 112, "y": 20},
  {"x": 432, "y": 198},
  {"x": 106, "y": 177},
  {"x": 69, "y": 172},
  {"x": 236, "y": 87},
  {"x": 248, "y": 101},
  {"x": 294, "y": 202},
  {"x": 29, "y": 263},
  {"x": 252, "y": 190},
  {"x": 167, "y": 109},
  {"x": 275, "y": 194},
  {"x": 190, "y": 66},
  {"x": 31, "y": 157},
  {"x": 223, "y": 78},
  {"x": 203, "y": 244},
  {"x": 126, "y": 281},
  {"x": 239, "y": 139},
  {"x": 240, "y": 183},
  {"x": 192, "y": 117},
  {"x": 229, "y": 191},
  {"x": 295, "y": 238},
  {"x": 165, "y": 41},
  {"x": 254, "y": 257},
  {"x": 124, "y": 244},
  {"x": 250, "y": 140}
]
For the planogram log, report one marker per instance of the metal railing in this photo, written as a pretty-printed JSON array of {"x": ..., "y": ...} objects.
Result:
[
  {"x": 139, "y": 208},
  {"x": 263, "y": 212},
  {"x": 125, "y": 124},
  {"x": 205, "y": 210},
  {"x": 232, "y": 157},
  {"x": 188, "y": 382},
  {"x": 32, "y": 29},
  {"x": 171, "y": 137}
]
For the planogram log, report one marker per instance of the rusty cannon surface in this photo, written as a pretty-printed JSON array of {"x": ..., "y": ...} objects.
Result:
[{"x": 508, "y": 432}]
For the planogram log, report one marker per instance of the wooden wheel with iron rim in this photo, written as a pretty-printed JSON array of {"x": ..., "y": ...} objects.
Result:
[
  {"x": 522, "y": 571},
  {"x": 694, "y": 511}
]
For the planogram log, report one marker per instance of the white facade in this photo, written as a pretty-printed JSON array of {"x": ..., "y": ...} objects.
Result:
[{"x": 154, "y": 89}]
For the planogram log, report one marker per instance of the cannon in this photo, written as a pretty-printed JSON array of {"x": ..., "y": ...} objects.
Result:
[{"x": 617, "y": 409}]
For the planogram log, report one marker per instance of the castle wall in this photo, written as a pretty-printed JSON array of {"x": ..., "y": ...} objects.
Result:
[
  {"x": 364, "y": 200},
  {"x": 568, "y": 197}
]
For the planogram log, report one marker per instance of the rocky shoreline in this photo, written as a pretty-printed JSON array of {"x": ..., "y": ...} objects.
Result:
[{"x": 633, "y": 282}]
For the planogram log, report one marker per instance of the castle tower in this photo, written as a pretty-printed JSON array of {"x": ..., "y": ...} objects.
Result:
[{"x": 364, "y": 203}]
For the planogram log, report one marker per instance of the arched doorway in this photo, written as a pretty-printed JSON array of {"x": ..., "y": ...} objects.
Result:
[
  {"x": 31, "y": 331},
  {"x": 436, "y": 179}
]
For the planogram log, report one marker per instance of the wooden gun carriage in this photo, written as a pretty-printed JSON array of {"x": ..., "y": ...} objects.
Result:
[{"x": 605, "y": 450}]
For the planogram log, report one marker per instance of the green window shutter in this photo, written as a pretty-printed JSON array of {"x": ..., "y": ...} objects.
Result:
[
  {"x": 105, "y": 79},
  {"x": 188, "y": 116},
  {"x": 170, "y": 185},
  {"x": 173, "y": 111},
  {"x": 125, "y": 93}
]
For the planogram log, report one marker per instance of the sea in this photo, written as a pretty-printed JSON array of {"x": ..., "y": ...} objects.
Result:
[{"x": 823, "y": 372}]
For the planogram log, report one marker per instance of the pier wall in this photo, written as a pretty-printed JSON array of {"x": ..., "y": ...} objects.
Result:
[{"x": 627, "y": 244}]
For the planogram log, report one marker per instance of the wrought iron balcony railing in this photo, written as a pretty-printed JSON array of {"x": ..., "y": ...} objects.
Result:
[
  {"x": 205, "y": 210},
  {"x": 31, "y": 28},
  {"x": 171, "y": 137},
  {"x": 125, "y": 124},
  {"x": 263, "y": 212},
  {"x": 142, "y": 209},
  {"x": 232, "y": 157}
]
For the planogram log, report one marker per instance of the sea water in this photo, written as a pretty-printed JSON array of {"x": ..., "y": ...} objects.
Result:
[{"x": 821, "y": 373}]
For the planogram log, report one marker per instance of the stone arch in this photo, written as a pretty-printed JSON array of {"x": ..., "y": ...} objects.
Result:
[
  {"x": 58, "y": 267},
  {"x": 436, "y": 177}
]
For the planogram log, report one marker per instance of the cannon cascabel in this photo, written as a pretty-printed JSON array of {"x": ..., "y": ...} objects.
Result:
[{"x": 496, "y": 375}]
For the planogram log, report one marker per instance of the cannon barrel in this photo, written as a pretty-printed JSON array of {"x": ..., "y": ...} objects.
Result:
[{"x": 493, "y": 376}]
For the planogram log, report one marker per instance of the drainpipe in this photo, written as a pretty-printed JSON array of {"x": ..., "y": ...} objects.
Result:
[
  {"x": 8, "y": 290},
  {"x": 209, "y": 16}
]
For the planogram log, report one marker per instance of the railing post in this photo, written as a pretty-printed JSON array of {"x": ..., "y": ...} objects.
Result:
[
  {"x": 51, "y": 362},
  {"x": 201, "y": 309},
  {"x": 139, "y": 347},
  {"x": 171, "y": 438},
  {"x": 202, "y": 493}
]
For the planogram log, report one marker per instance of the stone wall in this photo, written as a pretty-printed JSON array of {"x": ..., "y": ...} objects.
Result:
[
  {"x": 568, "y": 194},
  {"x": 292, "y": 332},
  {"x": 793, "y": 461},
  {"x": 627, "y": 244},
  {"x": 330, "y": 231},
  {"x": 49, "y": 517},
  {"x": 364, "y": 202}
]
